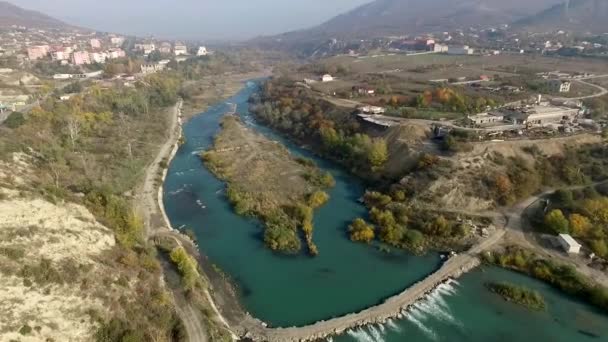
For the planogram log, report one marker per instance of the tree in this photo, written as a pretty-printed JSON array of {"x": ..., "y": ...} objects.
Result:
[
  {"x": 579, "y": 225},
  {"x": 556, "y": 222},
  {"x": 600, "y": 248},
  {"x": 360, "y": 231},
  {"x": 377, "y": 154}
]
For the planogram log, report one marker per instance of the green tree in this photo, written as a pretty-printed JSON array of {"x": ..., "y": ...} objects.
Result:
[
  {"x": 556, "y": 222},
  {"x": 377, "y": 154}
]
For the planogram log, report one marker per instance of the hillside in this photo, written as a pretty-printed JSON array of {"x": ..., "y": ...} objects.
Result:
[
  {"x": 14, "y": 15},
  {"x": 398, "y": 17},
  {"x": 572, "y": 15}
]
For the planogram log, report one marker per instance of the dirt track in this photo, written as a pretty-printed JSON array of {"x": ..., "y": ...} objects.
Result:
[{"x": 149, "y": 206}]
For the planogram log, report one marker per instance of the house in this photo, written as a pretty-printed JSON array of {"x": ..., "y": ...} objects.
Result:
[
  {"x": 202, "y": 51},
  {"x": 180, "y": 49},
  {"x": 559, "y": 86},
  {"x": 37, "y": 52},
  {"x": 327, "y": 78},
  {"x": 81, "y": 58},
  {"x": 569, "y": 244}
]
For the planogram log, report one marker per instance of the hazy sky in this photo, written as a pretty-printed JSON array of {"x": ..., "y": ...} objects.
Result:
[{"x": 193, "y": 19}]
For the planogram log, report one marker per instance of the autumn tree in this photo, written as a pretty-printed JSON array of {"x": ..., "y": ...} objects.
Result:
[
  {"x": 579, "y": 225},
  {"x": 360, "y": 231}
]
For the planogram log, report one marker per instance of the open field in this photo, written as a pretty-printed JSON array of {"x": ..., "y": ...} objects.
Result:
[{"x": 408, "y": 75}]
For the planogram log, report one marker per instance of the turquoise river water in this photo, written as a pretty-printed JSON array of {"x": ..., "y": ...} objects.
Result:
[{"x": 347, "y": 277}]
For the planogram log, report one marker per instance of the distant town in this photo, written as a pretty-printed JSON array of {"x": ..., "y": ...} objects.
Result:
[{"x": 64, "y": 55}]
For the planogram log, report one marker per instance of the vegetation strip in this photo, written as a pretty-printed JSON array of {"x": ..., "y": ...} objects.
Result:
[
  {"x": 560, "y": 276},
  {"x": 518, "y": 294}
]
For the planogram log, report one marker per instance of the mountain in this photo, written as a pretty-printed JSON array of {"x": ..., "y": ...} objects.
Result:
[
  {"x": 14, "y": 15},
  {"x": 398, "y": 17},
  {"x": 572, "y": 15}
]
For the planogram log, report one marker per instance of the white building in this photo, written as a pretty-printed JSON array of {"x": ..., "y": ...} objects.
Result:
[
  {"x": 440, "y": 48},
  {"x": 180, "y": 50},
  {"x": 117, "y": 41},
  {"x": 202, "y": 51},
  {"x": 327, "y": 78},
  {"x": 569, "y": 244},
  {"x": 372, "y": 110},
  {"x": 559, "y": 86},
  {"x": 150, "y": 68},
  {"x": 98, "y": 57},
  {"x": 460, "y": 50},
  {"x": 60, "y": 55}
]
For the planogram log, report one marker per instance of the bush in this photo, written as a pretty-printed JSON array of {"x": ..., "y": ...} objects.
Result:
[
  {"x": 15, "y": 120},
  {"x": 187, "y": 268},
  {"x": 281, "y": 239},
  {"x": 317, "y": 199},
  {"x": 25, "y": 330}
]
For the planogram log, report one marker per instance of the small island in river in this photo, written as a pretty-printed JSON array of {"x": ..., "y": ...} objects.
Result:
[
  {"x": 265, "y": 181},
  {"x": 519, "y": 295}
]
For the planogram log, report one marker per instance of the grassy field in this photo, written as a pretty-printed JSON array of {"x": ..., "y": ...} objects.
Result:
[{"x": 410, "y": 75}]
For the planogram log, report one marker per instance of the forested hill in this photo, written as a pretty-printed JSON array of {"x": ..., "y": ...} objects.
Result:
[
  {"x": 14, "y": 15},
  {"x": 572, "y": 15}
]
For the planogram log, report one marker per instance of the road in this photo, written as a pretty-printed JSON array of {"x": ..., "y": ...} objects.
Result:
[
  {"x": 519, "y": 232},
  {"x": 148, "y": 202},
  {"x": 602, "y": 91}
]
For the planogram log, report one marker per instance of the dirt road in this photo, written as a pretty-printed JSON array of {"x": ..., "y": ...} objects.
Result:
[{"x": 148, "y": 202}]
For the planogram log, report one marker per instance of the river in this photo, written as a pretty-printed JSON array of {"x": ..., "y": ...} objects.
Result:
[{"x": 345, "y": 277}]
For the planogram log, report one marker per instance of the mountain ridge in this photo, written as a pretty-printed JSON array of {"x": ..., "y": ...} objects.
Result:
[{"x": 11, "y": 14}]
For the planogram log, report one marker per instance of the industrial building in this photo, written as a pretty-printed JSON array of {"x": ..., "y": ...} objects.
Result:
[{"x": 569, "y": 244}]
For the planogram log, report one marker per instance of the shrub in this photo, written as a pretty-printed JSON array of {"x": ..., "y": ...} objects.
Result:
[
  {"x": 15, "y": 120},
  {"x": 317, "y": 199}
]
